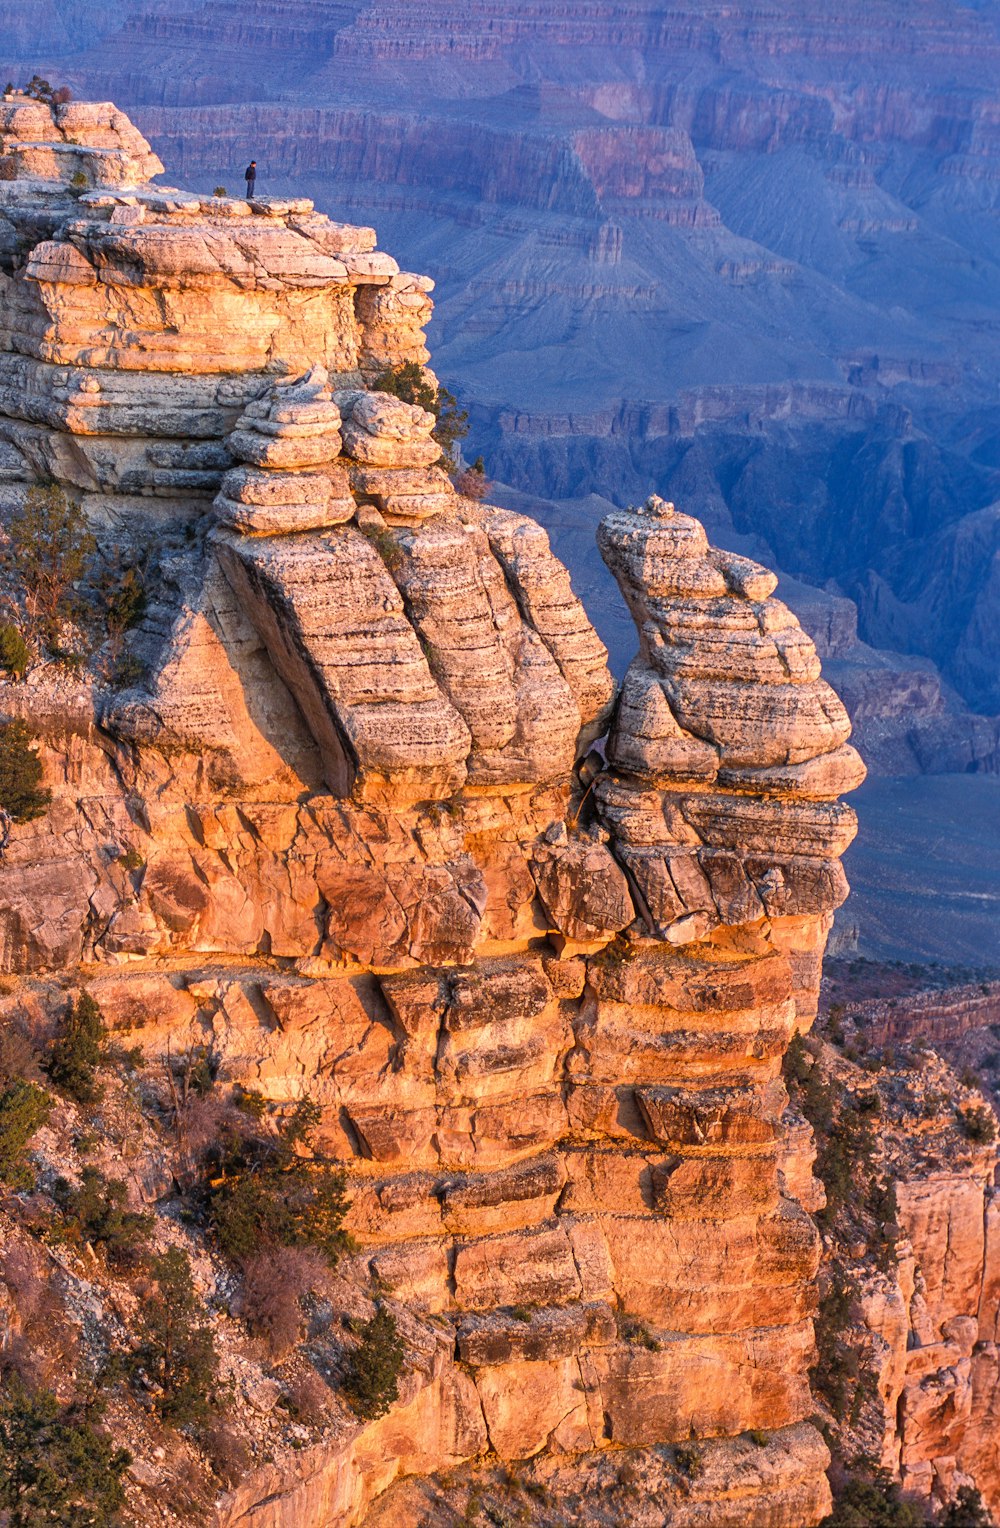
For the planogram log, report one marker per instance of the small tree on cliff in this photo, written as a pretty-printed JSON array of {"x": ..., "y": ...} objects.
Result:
[
  {"x": 44, "y": 555},
  {"x": 267, "y": 1193},
  {"x": 79, "y": 1050},
  {"x": 966, "y": 1511},
  {"x": 20, "y": 773},
  {"x": 177, "y": 1350},
  {"x": 372, "y": 1379},
  {"x": 55, "y": 1467},
  {"x": 873, "y": 1501},
  {"x": 410, "y": 383}
]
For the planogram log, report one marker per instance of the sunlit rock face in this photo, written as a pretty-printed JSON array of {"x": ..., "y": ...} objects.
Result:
[{"x": 540, "y": 984}]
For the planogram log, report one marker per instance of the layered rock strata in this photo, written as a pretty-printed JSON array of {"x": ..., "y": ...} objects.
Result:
[{"x": 540, "y": 992}]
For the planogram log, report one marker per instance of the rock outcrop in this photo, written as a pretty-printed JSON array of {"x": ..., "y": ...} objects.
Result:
[
  {"x": 539, "y": 992},
  {"x": 916, "y": 1265},
  {"x": 688, "y": 171}
]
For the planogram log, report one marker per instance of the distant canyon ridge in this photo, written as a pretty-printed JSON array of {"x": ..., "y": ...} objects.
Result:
[{"x": 746, "y": 257}]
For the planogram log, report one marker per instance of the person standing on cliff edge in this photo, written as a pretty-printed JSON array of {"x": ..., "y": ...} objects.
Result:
[{"x": 250, "y": 175}]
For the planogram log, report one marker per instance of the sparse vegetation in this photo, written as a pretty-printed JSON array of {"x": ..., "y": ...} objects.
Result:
[
  {"x": 229, "y": 1456},
  {"x": 872, "y": 1501},
  {"x": 39, "y": 89},
  {"x": 274, "y": 1286},
  {"x": 633, "y": 1329},
  {"x": 177, "y": 1351},
  {"x": 15, "y": 654},
  {"x": 18, "y": 1055},
  {"x": 472, "y": 481},
  {"x": 43, "y": 1350},
  {"x": 410, "y": 383},
  {"x": 55, "y": 1466},
  {"x": 97, "y": 1213},
  {"x": 79, "y": 1050},
  {"x": 220, "y": 191},
  {"x": 78, "y": 180},
  {"x": 120, "y": 592},
  {"x": 24, "y": 1109},
  {"x": 44, "y": 554},
  {"x": 689, "y": 1460},
  {"x": 308, "y": 1397},
  {"x": 385, "y": 544},
  {"x": 372, "y": 1379},
  {"x": 66, "y": 595},
  {"x": 978, "y": 1124},
  {"x": 20, "y": 773}
]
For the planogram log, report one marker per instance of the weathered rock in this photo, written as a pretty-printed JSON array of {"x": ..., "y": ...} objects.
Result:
[{"x": 541, "y": 1006}]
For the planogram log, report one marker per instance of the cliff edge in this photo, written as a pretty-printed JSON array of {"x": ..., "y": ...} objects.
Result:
[{"x": 365, "y": 820}]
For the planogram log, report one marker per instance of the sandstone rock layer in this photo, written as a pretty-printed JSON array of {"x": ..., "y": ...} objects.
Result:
[{"x": 540, "y": 991}]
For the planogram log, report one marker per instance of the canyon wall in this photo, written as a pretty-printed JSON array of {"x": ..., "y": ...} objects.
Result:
[
  {"x": 540, "y": 993},
  {"x": 369, "y": 820}
]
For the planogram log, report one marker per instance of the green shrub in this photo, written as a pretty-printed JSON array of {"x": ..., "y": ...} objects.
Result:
[
  {"x": 978, "y": 1125},
  {"x": 265, "y": 1194},
  {"x": 220, "y": 191},
  {"x": 688, "y": 1459},
  {"x": 966, "y": 1511},
  {"x": 373, "y": 1368},
  {"x": 633, "y": 1329},
  {"x": 55, "y": 1467},
  {"x": 24, "y": 1108},
  {"x": 177, "y": 1350},
  {"x": 119, "y": 590},
  {"x": 409, "y": 382},
  {"x": 15, "y": 654},
  {"x": 126, "y": 671},
  {"x": 872, "y": 1501},
  {"x": 46, "y": 551},
  {"x": 758, "y": 1437},
  {"x": 20, "y": 773},
  {"x": 79, "y": 1050},
  {"x": 78, "y": 179},
  {"x": 834, "y": 1376},
  {"x": 97, "y": 1212}
]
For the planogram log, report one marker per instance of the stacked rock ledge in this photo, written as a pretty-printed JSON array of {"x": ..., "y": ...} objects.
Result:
[{"x": 540, "y": 992}]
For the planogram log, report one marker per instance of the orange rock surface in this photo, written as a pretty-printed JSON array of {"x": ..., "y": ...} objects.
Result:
[{"x": 544, "y": 1018}]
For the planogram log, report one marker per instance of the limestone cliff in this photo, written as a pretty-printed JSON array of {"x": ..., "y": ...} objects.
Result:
[{"x": 350, "y": 832}]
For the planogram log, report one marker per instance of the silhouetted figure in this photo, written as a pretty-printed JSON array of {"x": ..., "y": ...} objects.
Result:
[{"x": 250, "y": 174}]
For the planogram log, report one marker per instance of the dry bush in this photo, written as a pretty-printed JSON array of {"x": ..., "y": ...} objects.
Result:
[
  {"x": 226, "y": 1451},
  {"x": 274, "y": 1285},
  {"x": 473, "y": 483},
  {"x": 42, "y": 1350},
  {"x": 309, "y": 1397},
  {"x": 18, "y": 1053},
  {"x": 200, "y": 1121}
]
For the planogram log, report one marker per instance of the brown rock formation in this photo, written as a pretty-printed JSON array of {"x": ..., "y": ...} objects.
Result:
[
  {"x": 541, "y": 999},
  {"x": 922, "y": 1290}
]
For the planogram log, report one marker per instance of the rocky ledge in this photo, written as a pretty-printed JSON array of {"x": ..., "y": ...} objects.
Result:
[{"x": 374, "y": 826}]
